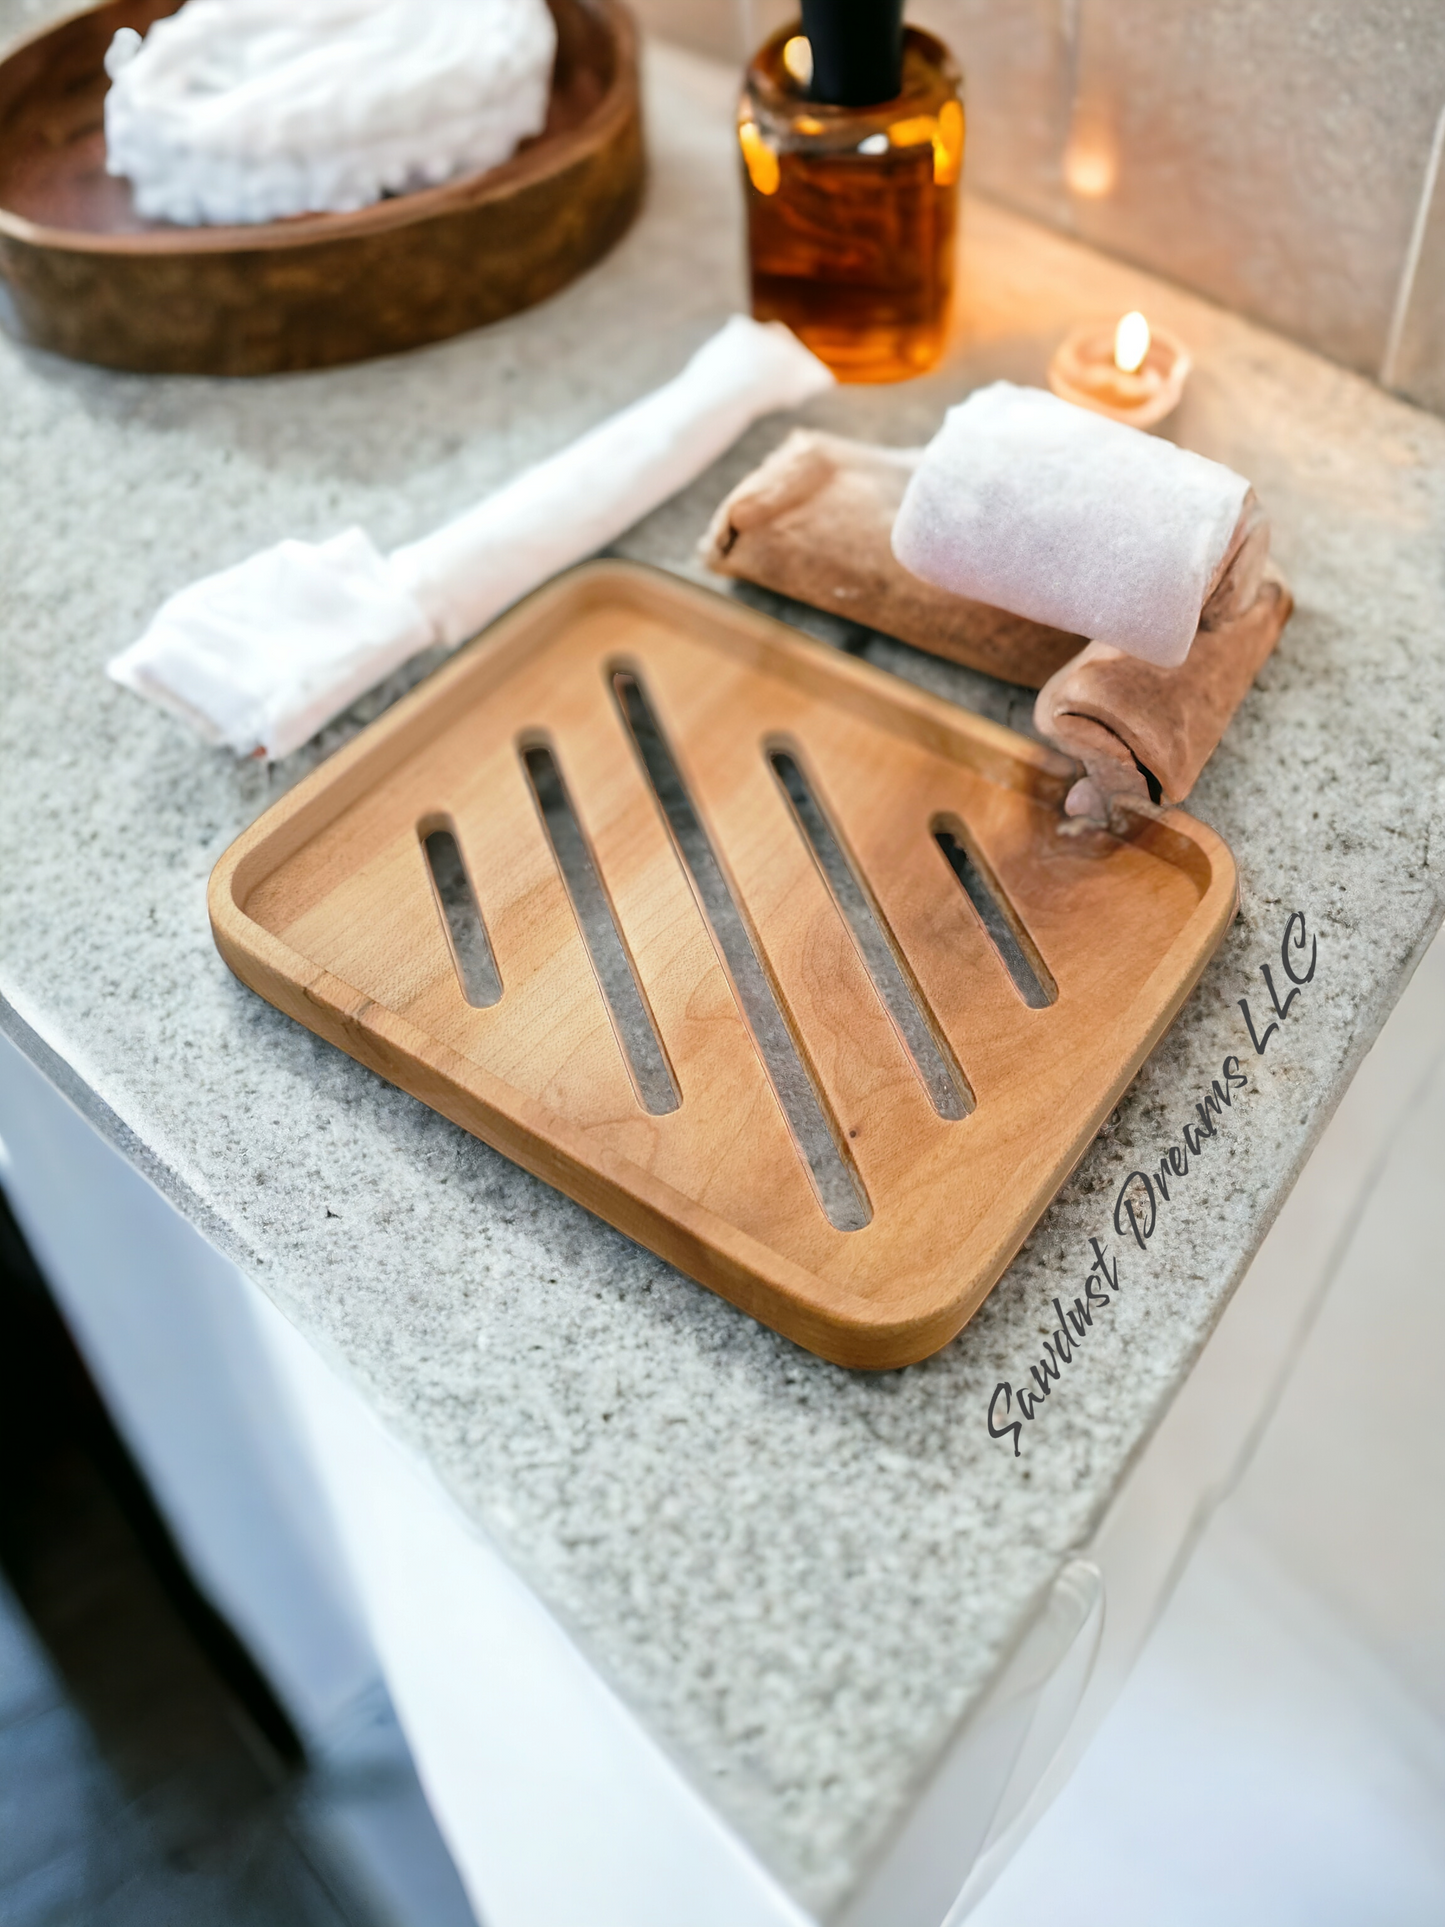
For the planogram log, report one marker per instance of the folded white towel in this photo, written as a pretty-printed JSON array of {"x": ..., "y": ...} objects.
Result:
[
  {"x": 261, "y": 655},
  {"x": 1055, "y": 513},
  {"x": 251, "y": 110}
]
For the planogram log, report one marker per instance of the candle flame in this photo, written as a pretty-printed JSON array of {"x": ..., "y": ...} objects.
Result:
[{"x": 1131, "y": 343}]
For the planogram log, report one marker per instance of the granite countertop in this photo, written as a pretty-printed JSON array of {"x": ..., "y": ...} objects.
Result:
[{"x": 799, "y": 1577}]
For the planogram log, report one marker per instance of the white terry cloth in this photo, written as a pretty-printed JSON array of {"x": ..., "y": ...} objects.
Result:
[
  {"x": 252, "y": 110},
  {"x": 261, "y": 655},
  {"x": 1058, "y": 514}
]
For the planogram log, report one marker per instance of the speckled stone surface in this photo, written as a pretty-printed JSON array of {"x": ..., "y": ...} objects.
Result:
[{"x": 800, "y": 1578}]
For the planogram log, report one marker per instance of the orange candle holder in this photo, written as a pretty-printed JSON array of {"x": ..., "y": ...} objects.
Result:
[{"x": 1084, "y": 370}]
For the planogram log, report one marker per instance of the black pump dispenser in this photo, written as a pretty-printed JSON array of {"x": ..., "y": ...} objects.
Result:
[{"x": 857, "y": 50}]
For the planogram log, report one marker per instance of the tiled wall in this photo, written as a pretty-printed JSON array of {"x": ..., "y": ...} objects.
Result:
[{"x": 1283, "y": 156}]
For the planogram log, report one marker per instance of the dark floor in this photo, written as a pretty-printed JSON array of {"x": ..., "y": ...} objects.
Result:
[{"x": 147, "y": 1776}]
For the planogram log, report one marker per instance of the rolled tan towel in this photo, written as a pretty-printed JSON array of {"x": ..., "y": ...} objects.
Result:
[
  {"x": 816, "y": 522},
  {"x": 1127, "y": 720}
]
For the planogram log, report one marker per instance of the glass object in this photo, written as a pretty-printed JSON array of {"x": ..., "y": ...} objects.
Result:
[{"x": 852, "y": 210}]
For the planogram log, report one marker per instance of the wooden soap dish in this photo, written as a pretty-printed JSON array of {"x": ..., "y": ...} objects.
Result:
[
  {"x": 778, "y": 964},
  {"x": 87, "y": 277}
]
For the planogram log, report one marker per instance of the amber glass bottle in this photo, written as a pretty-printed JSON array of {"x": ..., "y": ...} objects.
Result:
[{"x": 852, "y": 208}]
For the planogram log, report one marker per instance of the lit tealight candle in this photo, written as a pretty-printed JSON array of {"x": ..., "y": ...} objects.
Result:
[{"x": 1130, "y": 371}]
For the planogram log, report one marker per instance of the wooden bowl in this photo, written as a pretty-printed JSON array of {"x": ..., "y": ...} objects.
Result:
[{"x": 88, "y": 277}]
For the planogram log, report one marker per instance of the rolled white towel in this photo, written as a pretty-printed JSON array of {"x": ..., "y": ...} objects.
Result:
[
  {"x": 252, "y": 110},
  {"x": 1054, "y": 513},
  {"x": 261, "y": 655}
]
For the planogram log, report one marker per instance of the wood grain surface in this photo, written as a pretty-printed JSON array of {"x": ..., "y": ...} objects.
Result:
[
  {"x": 327, "y": 908},
  {"x": 87, "y": 277}
]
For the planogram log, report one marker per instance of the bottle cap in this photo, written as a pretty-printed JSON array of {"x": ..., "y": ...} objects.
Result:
[{"x": 857, "y": 50}]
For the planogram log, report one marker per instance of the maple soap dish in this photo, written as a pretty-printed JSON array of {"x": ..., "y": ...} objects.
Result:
[{"x": 777, "y": 963}]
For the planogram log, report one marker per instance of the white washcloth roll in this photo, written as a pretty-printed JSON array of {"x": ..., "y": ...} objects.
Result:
[
  {"x": 261, "y": 655},
  {"x": 1054, "y": 513}
]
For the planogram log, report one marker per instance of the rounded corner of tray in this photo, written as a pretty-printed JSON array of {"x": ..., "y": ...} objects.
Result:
[
  {"x": 233, "y": 876},
  {"x": 1214, "y": 864},
  {"x": 1192, "y": 847},
  {"x": 885, "y": 1341}
]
